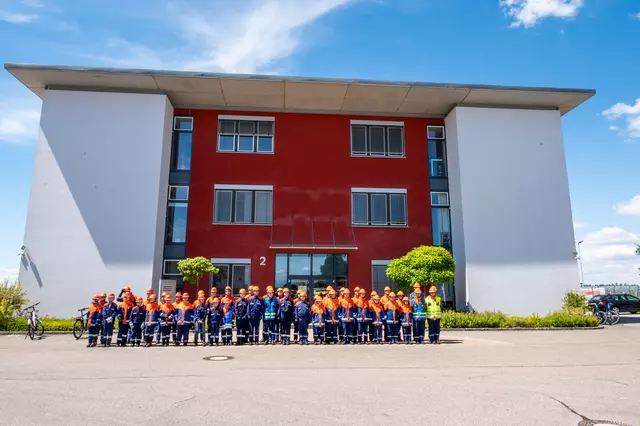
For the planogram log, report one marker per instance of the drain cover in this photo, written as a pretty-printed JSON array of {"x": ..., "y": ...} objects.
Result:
[
  {"x": 217, "y": 358},
  {"x": 601, "y": 422}
]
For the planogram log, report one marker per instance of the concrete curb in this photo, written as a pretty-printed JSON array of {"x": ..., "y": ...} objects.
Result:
[{"x": 10, "y": 333}]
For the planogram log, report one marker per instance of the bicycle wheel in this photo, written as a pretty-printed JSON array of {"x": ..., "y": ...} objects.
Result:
[
  {"x": 78, "y": 328},
  {"x": 39, "y": 328},
  {"x": 30, "y": 331},
  {"x": 614, "y": 316},
  {"x": 601, "y": 317}
]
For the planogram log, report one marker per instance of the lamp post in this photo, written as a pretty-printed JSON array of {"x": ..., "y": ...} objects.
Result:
[{"x": 580, "y": 262}]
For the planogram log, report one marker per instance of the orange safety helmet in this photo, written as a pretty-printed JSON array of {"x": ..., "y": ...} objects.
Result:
[
  {"x": 346, "y": 291},
  {"x": 329, "y": 288},
  {"x": 112, "y": 295},
  {"x": 103, "y": 295},
  {"x": 433, "y": 288},
  {"x": 356, "y": 290},
  {"x": 185, "y": 295},
  {"x": 392, "y": 294},
  {"x": 216, "y": 300},
  {"x": 362, "y": 292},
  {"x": 317, "y": 299},
  {"x": 387, "y": 288},
  {"x": 153, "y": 297},
  {"x": 243, "y": 291},
  {"x": 332, "y": 293},
  {"x": 417, "y": 291},
  {"x": 127, "y": 288},
  {"x": 139, "y": 299},
  {"x": 269, "y": 289},
  {"x": 256, "y": 288},
  {"x": 416, "y": 284},
  {"x": 286, "y": 290},
  {"x": 405, "y": 299},
  {"x": 149, "y": 290},
  {"x": 178, "y": 294},
  {"x": 400, "y": 293},
  {"x": 303, "y": 293},
  {"x": 376, "y": 298}
]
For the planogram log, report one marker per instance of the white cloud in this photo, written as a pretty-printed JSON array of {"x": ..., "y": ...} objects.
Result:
[
  {"x": 262, "y": 33},
  {"x": 608, "y": 256},
  {"x": 614, "y": 128},
  {"x": 118, "y": 52},
  {"x": 19, "y": 122},
  {"x": 527, "y": 13},
  {"x": 631, "y": 207},
  {"x": 630, "y": 112},
  {"x": 17, "y": 18}
]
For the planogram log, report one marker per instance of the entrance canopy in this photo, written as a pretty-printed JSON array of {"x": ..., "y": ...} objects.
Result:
[{"x": 199, "y": 90}]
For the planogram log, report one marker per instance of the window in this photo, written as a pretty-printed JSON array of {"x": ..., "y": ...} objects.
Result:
[
  {"x": 440, "y": 199},
  {"x": 176, "y": 222},
  {"x": 377, "y": 139},
  {"x": 178, "y": 193},
  {"x": 441, "y": 226},
  {"x": 171, "y": 267},
  {"x": 182, "y": 143},
  {"x": 245, "y": 134},
  {"x": 379, "y": 279},
  {"x": 243, "y": 204},
  {"x": 435, "y": 132},
  {"x": 437, "y": 159},
  {"x": 632, "y": 299},
  {"x": 235, "y": 273},
  {"x": 378, "y": 207}
]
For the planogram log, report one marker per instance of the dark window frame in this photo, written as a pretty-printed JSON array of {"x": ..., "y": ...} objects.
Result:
[
  {"x": 175, "y": 139},
  {"x": 388, "y": 221},
  {"x": 255, "y": 135},
  {"x": 386, "y": 154},
  {"x": 233, "y": 206}
]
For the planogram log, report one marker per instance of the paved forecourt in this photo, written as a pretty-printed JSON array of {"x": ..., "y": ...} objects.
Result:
[{"x": 479, "y": 378}]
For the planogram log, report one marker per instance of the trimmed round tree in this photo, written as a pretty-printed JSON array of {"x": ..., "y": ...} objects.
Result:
[
  {"x": 193, "y": 269},
  {"x": 424, "y": 264}
]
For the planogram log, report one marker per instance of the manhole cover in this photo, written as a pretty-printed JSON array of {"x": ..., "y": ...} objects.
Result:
[
  {"x": 601, "y": 422},
  {"x": 217, "y": 358}
]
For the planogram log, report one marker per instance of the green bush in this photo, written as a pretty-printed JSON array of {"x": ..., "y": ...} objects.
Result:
[
  {"x": 50, "y": 324},
  {"x": 12, "y": 298},
  {"x": 564, "y": 318},
  {"x": 572, "y": 300}
]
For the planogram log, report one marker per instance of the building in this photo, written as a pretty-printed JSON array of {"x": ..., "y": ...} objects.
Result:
[{"x": 296, "y": 181}]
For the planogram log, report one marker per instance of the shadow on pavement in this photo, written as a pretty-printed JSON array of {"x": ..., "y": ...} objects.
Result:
[
  {"x": 629, "y": 319},
  {"x": 450, "y": 341}
]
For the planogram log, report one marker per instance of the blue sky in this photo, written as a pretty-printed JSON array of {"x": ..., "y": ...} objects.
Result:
[{"x": 558, "y": 43}]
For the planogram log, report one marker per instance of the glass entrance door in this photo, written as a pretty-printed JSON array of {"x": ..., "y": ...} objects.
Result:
[{"x": 312, "y": 273}]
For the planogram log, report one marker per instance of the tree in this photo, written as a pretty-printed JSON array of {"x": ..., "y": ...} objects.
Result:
[
  {"x": 193, "y": 269},
  {"x": 425, "y": 265}
]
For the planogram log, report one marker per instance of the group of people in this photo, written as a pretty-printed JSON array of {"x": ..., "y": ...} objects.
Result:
[{"x": 336, "y": 317}]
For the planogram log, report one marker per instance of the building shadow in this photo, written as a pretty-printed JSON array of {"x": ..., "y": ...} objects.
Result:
[{"x": 30, "y": 266}]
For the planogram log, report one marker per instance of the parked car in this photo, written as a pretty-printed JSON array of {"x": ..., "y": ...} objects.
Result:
[{"x": 624, "y": 302}]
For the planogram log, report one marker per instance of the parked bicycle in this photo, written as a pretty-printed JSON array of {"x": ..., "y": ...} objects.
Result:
[
  {"x": 605, "y": 313},
  {"x": 35, "y": 327},
  {"x": 80, "y": 324}
]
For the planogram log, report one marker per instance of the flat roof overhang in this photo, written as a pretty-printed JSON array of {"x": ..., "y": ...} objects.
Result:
[{"x": 202, "y": 90}]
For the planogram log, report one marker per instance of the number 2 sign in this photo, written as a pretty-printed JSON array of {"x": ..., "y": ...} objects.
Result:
[{"x": 263, "y": 261}]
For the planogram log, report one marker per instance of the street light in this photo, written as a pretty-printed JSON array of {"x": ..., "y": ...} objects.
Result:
[{"x": 580, "y": 262}]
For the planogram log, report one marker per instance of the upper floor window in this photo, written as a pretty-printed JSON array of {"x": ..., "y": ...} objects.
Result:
[
  {"x": 245, "y": 134},
  {"x": 440, "y": 199},
  {"x": 182, "y": 142},
  {"x": 377, "y": 138},
  {"x": 178, "y": 193},
  {"x": 378, "y": 207},
  {"x": 243, "y": 204},
  {"x": 437, "y": 151}
]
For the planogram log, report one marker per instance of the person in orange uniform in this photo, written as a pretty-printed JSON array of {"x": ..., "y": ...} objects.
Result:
[
  {"x": 174, "y": 324},
  {"x": 167, "y": 319},
  {"x": 347, "y": 315},
  {"x": 214, "y": 294},
  {"x": 333, "y": 317},
  {"x": 378, "y": 316},
  {"x": 318, "y": 318},
  {"x": 184, "y": 314},
  {"x": 93, "y": 321},
  {"x": 392, "y": 318},
  {"x": 227, "y": 303},
  {"x": 398, "y": 302},
  {"x": 406, "y": 319},
  {"x": 370, "y": 302},
  {"x": 147, "y": 300},
  {"x": 363, "y": 317},
  {"x": 199, "y": 317},
  {"x": 124, "y": 319}
]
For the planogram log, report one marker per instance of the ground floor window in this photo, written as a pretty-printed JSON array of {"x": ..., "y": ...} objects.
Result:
[
  {"x": 311, "y": 272},
  {"x": 235, "y": 273},
  {"x": 441, "y": 224},
  {"x": 379, "y": 279}
]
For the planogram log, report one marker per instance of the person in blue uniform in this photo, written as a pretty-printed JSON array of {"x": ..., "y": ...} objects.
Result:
[
  {"x": 271, "y": 306},
  {"x": 302, "y": 313},
  {"x": 286, "y": 316},
  {"x": 109, "y": 315},
  {"x": 93, "y": 320},
  {"x": 215, "y": 320},
  {"x": 256, "y": 311},
  {"x": 242, "y": 317},
  {"x": 137, "y": 321}
]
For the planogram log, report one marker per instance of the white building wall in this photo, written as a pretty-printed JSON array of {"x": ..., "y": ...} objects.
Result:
[
  {"x": 511, "y": 219},
  {"x": 98, "y": 197}
]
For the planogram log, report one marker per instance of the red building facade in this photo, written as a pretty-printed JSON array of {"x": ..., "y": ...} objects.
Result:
[{"x": 312, "y": 172}]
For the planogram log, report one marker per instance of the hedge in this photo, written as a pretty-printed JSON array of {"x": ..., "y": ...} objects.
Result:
[{"x": 451, "y": 319}]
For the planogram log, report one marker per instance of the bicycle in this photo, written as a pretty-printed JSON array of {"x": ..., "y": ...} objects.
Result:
[
  {"x": 35, "y": 327},
  {"x": 80, "y": 324},
  {"x": 610, "y": 316}
]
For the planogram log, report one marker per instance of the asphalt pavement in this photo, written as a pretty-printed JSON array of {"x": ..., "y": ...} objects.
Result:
[{"x": 472, "y": 378}]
